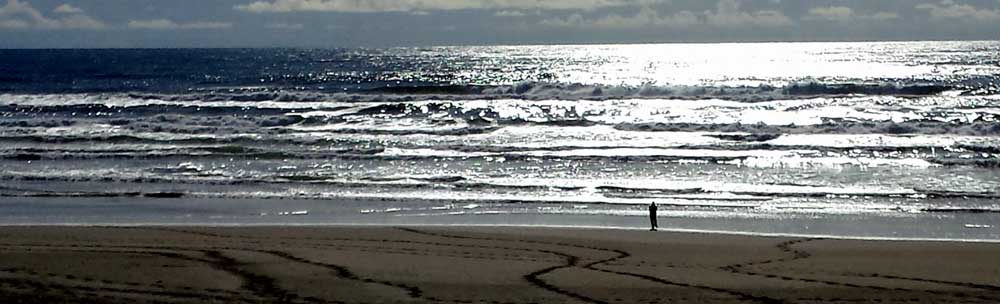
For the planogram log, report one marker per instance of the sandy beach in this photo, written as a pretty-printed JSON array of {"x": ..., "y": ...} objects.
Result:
[{"x": 480, "y": 265}]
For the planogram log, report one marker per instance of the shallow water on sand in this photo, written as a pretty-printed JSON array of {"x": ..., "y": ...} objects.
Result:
[{"x": 255, "y": 212}]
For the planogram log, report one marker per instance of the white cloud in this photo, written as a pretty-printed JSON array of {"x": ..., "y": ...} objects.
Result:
[
  {"x": 727, "y": 14},
  {"x": 884, "y": 16},
  {"x": 510, "y": 14},
  {"x": 371, "y": 6},
  {"x": 949, "y": 10},
  {"x": 14, "y": 24},
  {"x": 831, "y": 13},
  {"x": 67, "y": 9},
  {"x": 846, "y": 14},
  {"x": 167, "y": 24},
  {"x": 21, "y": 15},
  {"x": 286, "y": 26},
  {"x": 81, "y": 21},
  {"x": 649, "y": 17},
  {"x": 646, "y": 17}
]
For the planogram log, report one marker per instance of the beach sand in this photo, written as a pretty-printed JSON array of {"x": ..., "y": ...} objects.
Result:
[{"x": 480, "y": 265}]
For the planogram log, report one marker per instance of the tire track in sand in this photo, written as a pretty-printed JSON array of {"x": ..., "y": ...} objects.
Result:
[
  {"x": 797, "y": 254},
  {"x": 532, "y": 277},
  {"x": 338, "y": 270},
  {"x": 214, "y": 262},
  {"x": 619, "y": 254}
]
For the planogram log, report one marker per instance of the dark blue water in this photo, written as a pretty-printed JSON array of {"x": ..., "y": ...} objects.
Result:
[
  {"x": 182, "y": 70},
  {"x": 596, "y": 70}
]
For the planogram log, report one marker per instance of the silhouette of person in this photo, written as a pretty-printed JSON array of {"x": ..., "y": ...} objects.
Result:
[{"x": 652, "y": 217}]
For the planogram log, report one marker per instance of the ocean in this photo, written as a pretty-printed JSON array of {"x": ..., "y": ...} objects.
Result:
[{"x": 871, "y": 140}]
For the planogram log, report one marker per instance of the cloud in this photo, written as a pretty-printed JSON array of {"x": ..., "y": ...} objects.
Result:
[
  {"x": 21, "y": 15},
  {"x": 167, "y": 24},
  {"x": 884, "y": 16},
  {"x": 14, "y": 24},
  {"x": 646, "y": 17},
  {"x": 510, "y": 14},
  {"x": 286, "y": 26},
  {"x": 67, "y": 9},
  {"x": 948, "y": 10},
  {"x": 831, "y": 13},
  {"x": 846, "y": 14},
  {"x": 727, "y": 14},
  {"x": 80, "y": 21},
  {"x": 373, "y": 6}
]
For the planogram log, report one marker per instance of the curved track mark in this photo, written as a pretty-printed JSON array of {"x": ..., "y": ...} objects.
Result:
[
  {"x": 261, "y": 285},
  {"x": 344, "y": 273},
  {"x": 535, "y": 277},
  {"x": 338, "y": 270},
  {"x": 210, "y": 292},
  {"x": 204, "y": 293},
  {"x": 619, "y": 254},
  {"x": 175, "y": 294},
  {"x": 624, "y": 254},
  {"x": 943, "y": 282},
  {"x": 797, "y": 254}
]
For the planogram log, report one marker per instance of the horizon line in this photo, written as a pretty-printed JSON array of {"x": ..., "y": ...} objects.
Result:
[{"x": 503, "y": 44}]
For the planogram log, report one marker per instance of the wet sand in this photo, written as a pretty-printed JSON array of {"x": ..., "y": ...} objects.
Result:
[{"x": 479, "y": 265}]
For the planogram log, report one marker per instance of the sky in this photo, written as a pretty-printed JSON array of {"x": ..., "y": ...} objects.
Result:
[{"x": 381, "y": 23}]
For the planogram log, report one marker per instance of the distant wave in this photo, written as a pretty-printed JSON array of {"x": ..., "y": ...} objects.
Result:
[
  {"x": 469, "y": 115},
  {"x": 96, "y": 194},
  {"x": 553, "y": 91},
  {"x": 961, "y": 210},
  {"x": 134, "y": 110},
  {"x": 740, "y": 196},
  {"x": 743, "y": 152},
  {"x": 457, "y": 131},
  {"x": 746, "y": 137},
  {"x": 763, "y": 132},
  {"x": 805, "y": 191},
  {"x": 758, "y": 93},
  {"x": 571, "y": 91},
  {"x": 984, "y": 163}
]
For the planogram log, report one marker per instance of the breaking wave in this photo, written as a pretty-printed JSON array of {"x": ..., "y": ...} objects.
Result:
[{"x": 564, "y": 91}]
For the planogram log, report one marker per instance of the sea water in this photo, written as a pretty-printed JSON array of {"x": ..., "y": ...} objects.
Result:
[{"x": 885, "y": 139}]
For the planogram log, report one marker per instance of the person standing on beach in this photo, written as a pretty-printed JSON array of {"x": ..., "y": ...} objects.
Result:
[{"x": 652, "y": 217}]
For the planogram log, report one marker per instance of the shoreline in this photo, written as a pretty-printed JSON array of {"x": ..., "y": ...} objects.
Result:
[
  {"x": 349, "y": 212},
  {"x": 501, "y": 226}
]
